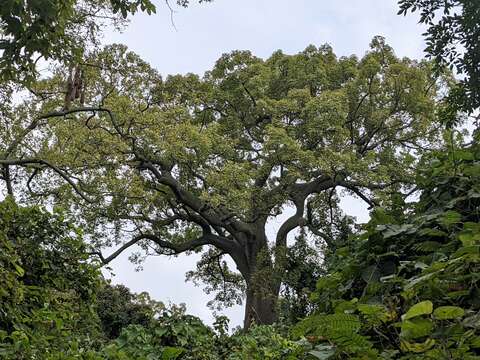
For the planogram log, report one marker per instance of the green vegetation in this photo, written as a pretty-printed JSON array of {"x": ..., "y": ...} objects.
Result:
[
  {"x": 61, "y": 30},
  {"x": 409, "y": 284},
  {"x": 47, "y": 286},
  {"x": 105, "y": 152},
  {"x": 452, "y": 40}
]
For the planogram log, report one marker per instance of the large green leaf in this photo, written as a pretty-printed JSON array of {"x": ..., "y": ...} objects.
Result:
[
  {"x": 450, "y": 218},
  {"x": 448, "y": 312},
  {"x": 416, "y": 328},
  {"x": 422, "y": 308},
  {"x": 323, "y": 352},
  {"x": 171, "y": 353}
]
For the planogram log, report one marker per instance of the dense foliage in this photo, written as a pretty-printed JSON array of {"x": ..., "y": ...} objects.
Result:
[
  {"x": 408, "y": 286},
  {"x": 61, "y": 30},
  {"x": 47, "y": 286}
]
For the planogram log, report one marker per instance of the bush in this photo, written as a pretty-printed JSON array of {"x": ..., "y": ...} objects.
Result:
[
  {"x": 47, "y": 286},
  {"x": 408, "y": 287}
]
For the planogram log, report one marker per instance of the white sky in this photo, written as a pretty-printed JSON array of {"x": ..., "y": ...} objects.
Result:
[{"x": 204, "y": 33}]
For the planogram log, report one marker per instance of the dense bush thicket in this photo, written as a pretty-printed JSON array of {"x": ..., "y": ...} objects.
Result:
[
  {"x": 47, "y": 286},
  {"x": 407, "y": 287}
]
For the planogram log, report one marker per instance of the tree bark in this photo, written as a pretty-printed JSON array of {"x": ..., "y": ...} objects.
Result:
[
  {"x": 260, "y": 308},
  {"x": 263, "y": 283}
]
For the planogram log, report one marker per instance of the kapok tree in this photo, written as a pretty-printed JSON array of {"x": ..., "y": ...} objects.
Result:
[{"x": 205, "y": 164}]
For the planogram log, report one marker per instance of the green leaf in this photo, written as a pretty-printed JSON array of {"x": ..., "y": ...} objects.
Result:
[
  {"x": 416, "y": 328},
  {"x": 171, "y": 353},
  {"x": 473, "y": 249},
  {"x": 323, "y": 352},
  {"x": 470, "y": 234},
  {"x": 371, "y": 274},
  {"x": 448, "y": 312},
  {"x": 464, "y": 155},
  {"x": 467, "y": 238},
  {"x": 394, "y": 230},
  {"x": 475, "y": 342},
  {"x": 417, "y": 347},
  {"x": 371, "y": 309},
  {"x": 422, "y": 308},
  {"x": 161, "y": 331},
  {"x": 450, "y": 217},
  {"x": 19, "y": 269}
]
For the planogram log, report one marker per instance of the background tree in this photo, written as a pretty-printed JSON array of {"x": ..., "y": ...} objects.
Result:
[
  {"x": 453, "y": 40},
  {"x": 302, "y": 270},
  {"x": 117, "y": 308},
  {"x": 187, "y": 163},
  {"x": 58, "y": 30}
]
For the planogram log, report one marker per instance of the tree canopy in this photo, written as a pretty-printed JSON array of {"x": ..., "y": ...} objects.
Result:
[
  {"x": 123, "y": 157},
  {"x": 185, "y": 162}
]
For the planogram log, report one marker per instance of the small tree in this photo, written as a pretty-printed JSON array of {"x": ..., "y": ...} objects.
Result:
[{"x": 188, "y": 163}]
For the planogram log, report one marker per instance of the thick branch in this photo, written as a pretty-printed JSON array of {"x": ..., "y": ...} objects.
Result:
[
  {"x": 205, "y": 239},
  {"x": 176, "y": 248},
  {"x": 291, "y": 223},
  {"x": 371, "y": 202},
  {"x": 213, "y": 216},
  {"x": 63, "y": 174}
]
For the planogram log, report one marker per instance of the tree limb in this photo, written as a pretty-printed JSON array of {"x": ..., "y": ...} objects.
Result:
[
  {"x": 205, "y": 239},
  {"x": 213, "y": 216},
  {"x": 64, "y": 175}
]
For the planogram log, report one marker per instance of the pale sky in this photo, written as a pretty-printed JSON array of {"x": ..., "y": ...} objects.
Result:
[{"x": 203, "y": 33}]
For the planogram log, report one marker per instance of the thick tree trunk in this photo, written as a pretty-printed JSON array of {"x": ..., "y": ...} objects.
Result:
[
  {"x": 260, "y": 308},
  {"x": 263, "y": 279}
]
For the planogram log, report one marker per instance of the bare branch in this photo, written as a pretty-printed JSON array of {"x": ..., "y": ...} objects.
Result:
[{"x": 205, "y": 239}]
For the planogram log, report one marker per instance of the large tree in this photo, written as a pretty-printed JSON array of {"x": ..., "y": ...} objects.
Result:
[
  {"x": 58, "y": 30},
  {"x": 188, "y": 163}
]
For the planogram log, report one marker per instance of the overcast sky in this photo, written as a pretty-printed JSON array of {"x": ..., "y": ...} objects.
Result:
[{"x": 202, "y": 34}]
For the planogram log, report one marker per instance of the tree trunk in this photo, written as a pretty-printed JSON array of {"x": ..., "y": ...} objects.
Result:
[
  {"x": 262, "y": 277},
  {"x": 260, "y": 307}
]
